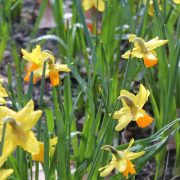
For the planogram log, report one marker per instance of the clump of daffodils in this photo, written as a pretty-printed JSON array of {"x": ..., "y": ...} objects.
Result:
[
  {"x": 98, "y": 4},
  {"x": 145, "y": 50},
  {"x": 121, "y": 160},
  {"x": 37, "y": 59},
  {"x": 132, "y": 109}
]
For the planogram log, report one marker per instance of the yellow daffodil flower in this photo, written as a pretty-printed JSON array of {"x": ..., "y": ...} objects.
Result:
[
  {"x": 36, "y": 58},
  {"x": 18, "y": 130},
  {"x": 132, "y": 109},
  {"x": 151, "y": 7},
  {"x": 52, "y": 71},
  {"x": 121, "y": 160},
  {"x": 4, "y": 174},
  {"x": 144, "y": 49},
  {"x": 3, "y": 94},
  {"x": 40, "y": 155},
  {"x": 98, "y": 4},
  {"x": 176, "y": 1}
]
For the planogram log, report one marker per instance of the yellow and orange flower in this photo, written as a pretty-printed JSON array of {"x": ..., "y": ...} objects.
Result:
[
  {"x": 145, "y": 50},
  {"x": 52, "y": 71},
  {"x": 121, "y": 160},
  {"x": 132, "y": 109},
  {"x": 18, "y": 130},
  {"x": 36, "y": 59},
  {"x": 98, "y": 4}
]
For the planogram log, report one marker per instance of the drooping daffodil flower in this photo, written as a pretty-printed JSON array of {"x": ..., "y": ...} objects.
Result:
[
  {"x": 52, "y": 71},
  {"x": 132, "y": 109},
  {"x": 36, "y": 58},
  {"x": 18, "y": 132},
  {"x": 121, "y": 160},
  {"x": 145, "y": 50},
  {"x": 98, "y": 4}
]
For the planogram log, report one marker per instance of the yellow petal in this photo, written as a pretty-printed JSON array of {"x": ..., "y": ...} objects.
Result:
[
  {"x": 154, "y": 43},
  {"x": 4, "y": 174},
  {"x": 131, "y": 37},
  {"x": 139, "y": 113},
  {"x": 88, "y": 4},
  {"x": 2, "y": 100},
  {"x": 131, "y": 155},
  {"x": 37, "y": 56},
  {"x": 8, "y": 147},
  {"x": 142, "y": 96},
  {"x": 100, "y": 5},
  {"x": 62, "y": 67},
  {"x": 40, "y": 156},
  {"x": 137, "y": 52},
  {"x": 126, "y": 54},
  {"x": 125, "y": 111},
  {"x": 27, "y": 55},
  {"x": 107, "y": 170},
  {"x": 176, "y": 1},
  {"x": 29, "y": 143},
  {"x": 53, "y": 141},
  {"x": 130, "y": 143},
  {"x": 1, "y": 80},
  {"x": 128, "y": 94},
  {"x": 123, "y": 122},
  {"x": 121, "y": 165},
  {"x": 4, "y": 112},
  {"x": 46, "y": 55},
  {"x": 26, "y": 109},
  {"x": 3, "y": 92},
  {"x": 28, "y": 122},
  {"x": 27, "y": 117}
]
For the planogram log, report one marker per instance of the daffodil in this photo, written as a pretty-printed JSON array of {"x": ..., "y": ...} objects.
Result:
[
  {"x": 40, "y": 155},
  {"x": 145, "y": 50},
  {"x": 52, "y": 71},
  {"x": 36, "y": 58},
  {"x": 98, "y": 4},
  {"x": 176, "y": 1},
  {"x": 4, "y": 174},
  {"x": 132, "y": 109},
  {"x": 18, "y": 130},
  {"x": 121, "y": 160},
  {"x": 3, "y": 93}
]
